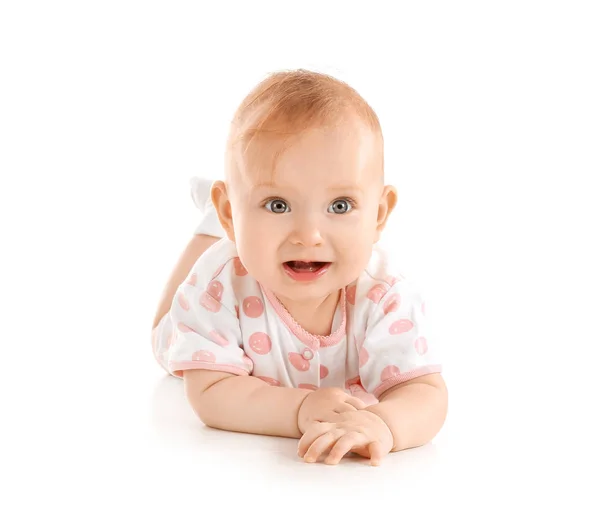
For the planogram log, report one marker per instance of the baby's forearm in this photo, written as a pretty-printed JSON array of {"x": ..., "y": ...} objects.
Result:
[
  {"x": 248, "y": 404},
  {"x": 414, "y": 413}
]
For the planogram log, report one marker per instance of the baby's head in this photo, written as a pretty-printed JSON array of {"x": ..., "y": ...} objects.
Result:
[{"x": 304, "y": 182}]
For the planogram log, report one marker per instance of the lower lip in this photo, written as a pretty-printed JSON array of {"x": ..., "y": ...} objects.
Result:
[{"x": 305, "y": 276}]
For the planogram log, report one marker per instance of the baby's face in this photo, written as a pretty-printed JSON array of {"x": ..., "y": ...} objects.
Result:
[{"x": 324, "y": 207}]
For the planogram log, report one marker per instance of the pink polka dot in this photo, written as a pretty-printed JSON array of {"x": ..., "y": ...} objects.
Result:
[
  {"x": 390, "y": 371},
  {"x": 248, "y": 362},
  {"x": 172, "y": 338},
  {"x": 401, "y": 326},
  {"x": 323, "y": 372},
  {"x": 192, "y": 279},
  {"x": 351, "y": 294},
  {"x": 306, "y": 386},
  {"x": 184, "y": 328},
  {"x": 353, "y": 381},
  {"x": 240, "y": 270},
  {"x": 204, "y": 356},
  {"x": 363, "y": 357},
  {"x": 252, "y": 306},
  {"x": 376, "y": 293},
  {"x": 392, "y": 304},
  {"x": 260, "y": 343},
  {"x": 298, "y": 362},
  {"x": 423, "y": 308},
  {"x": 270, "y": 380},
  {"x": 421, "y": 345},
  {"x": 160, "y": 357},
  {"x": 208, "y": 302},
  {"x": 215, "y": 289},
  {"x": 394, "y": 279},
  {"x": 218, "y": 338},
  {"x": 183, "y": 302}
]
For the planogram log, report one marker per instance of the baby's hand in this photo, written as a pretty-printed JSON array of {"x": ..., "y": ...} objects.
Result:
[
  {"x": 326, "y": 404},
  {"x": 361, "y": 431}
]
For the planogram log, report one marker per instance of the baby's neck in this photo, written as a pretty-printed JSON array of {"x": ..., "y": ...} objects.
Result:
[{"x": 315, "y": 316}]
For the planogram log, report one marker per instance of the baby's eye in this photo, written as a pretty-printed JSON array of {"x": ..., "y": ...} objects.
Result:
[
  {"x": 341, "y": 206},
  {"x": 279, "y": 206}
]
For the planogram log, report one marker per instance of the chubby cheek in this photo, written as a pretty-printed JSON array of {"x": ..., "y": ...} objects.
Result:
[
  {"x": 257, "y": 248},
  {"x": 352, "y": 252},
  {"x": 356, "y": 258}
]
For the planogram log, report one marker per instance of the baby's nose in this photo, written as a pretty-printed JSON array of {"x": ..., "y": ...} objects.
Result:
[{"x": 307, "y": 232}]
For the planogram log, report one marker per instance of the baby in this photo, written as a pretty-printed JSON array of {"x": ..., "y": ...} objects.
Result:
[{"x": 282, "y": 316}]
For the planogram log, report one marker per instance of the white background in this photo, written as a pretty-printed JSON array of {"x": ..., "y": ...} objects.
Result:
[{"x": 491, "y": 114}]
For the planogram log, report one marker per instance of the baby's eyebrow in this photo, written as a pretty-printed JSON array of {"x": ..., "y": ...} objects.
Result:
[{"x": 348, "y": 188}]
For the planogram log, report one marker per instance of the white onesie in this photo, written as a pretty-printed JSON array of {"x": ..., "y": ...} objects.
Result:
[{"x": 223, "y": 319}]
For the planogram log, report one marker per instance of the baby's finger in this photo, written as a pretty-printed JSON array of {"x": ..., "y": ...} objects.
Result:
[
  {"x": 322, "y": 444},
  {"x": 315, "y": 430},
  {"x": 344, "y": 407},
  {"x": 376, "y": 453},
  {"x": 357, "y": 403},
  {"x": 343, "y": 445}
]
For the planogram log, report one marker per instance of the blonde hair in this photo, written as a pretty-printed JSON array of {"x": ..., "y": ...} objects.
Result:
[{"x": 283, "y": 106}]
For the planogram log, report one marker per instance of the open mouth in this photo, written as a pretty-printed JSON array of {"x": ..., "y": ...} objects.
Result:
[
  {"x": 306, "y": 266},
  {"x": 306, "y": 271}
]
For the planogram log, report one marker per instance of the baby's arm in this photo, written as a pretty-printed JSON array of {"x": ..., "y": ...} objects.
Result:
[
  {"x": 244, "y": 403},
  {"x": 194, "y": 249},
  {"x": 241, "y": 403},
  {"x": 414, "y": 411},
  {"x": 401, "y": 366},
  {"x": 249, "y": 404}
]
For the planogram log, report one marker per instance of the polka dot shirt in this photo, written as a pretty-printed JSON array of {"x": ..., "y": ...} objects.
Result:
[{"x": 223, "y": 319}]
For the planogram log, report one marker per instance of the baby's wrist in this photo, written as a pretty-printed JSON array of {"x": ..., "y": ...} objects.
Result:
[
  {"x": 385, "y": 426},
  {"x": 300, "y": 420}
]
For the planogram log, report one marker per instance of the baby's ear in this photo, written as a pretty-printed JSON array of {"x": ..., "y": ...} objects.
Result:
[
  {"x": 222, "y": 204},
  {"x": 387, "y": 203}
]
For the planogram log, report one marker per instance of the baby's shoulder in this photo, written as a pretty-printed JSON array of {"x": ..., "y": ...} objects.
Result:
[
  {"x": 382, "y": 279},
  {"x": 220, "y": 271},
  {"x": 213, "y": 262},
  {"x": 382, "y": 271}
]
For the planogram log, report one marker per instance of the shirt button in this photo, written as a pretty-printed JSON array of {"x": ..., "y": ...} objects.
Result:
[{"x": 307, "y": 354}]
